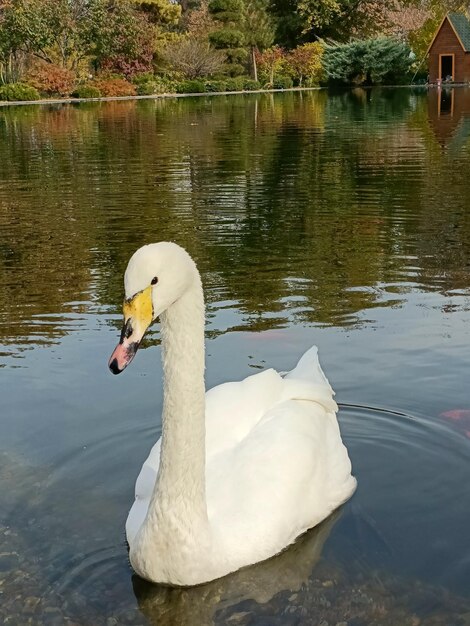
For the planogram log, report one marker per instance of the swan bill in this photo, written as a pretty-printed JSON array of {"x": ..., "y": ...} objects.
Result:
[
  {"x": 138, "y": 315},
  {"x": 122, "y": 356}
]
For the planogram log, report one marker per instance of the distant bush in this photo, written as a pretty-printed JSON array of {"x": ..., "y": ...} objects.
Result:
[
  {"x": 164, "y": 85},
  {"x": 112, "y": 87},
  {"x": 310, "y": 82},
  {"x": 146, "y": 89},
  {"x": 235, "y": 84},
  {"x": 144, "y": 77},
  {"x": 224, "y": 6},
  {"x": 283, "y": 82},
  {"x": 149, "y": 84},
  {"x": 18, "y": 92},
  {"x": 227, "y": 38},
  {"x": 251, "y": 85},
  {"x": 51, "y": 79},
  {"x": 216, "y": 85},
  {"x": 191, "y": 86},
  {"x": 87, "y": 91},
  {"x": 192, "y": 58},
  {"x": 234, "y": 69},
  {"x": 236, "y": 55},
  {"x": 421, "y": 77},
  {"x": 304, "y": 63},
  {"x": 370, "y": 61}
]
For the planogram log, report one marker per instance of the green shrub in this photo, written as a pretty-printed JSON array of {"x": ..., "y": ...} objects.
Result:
[
  {"x": 225, "y": 6},
  {"x": 234, "y": 69},
  {"x": 164, "y": 85},
  {"x": 235, "y": 84},
  {"x": 216, "y": 85},
  {"x": 227, "y": 38},
  {"x": 145, "y": 77},
  {"x": 370, "y": 61},
  {"x": 191, "y": 86},
  {"x": 283, "y": 82},
  {"x": 421, "y": 77},
  {"x": 236, "y": 55},
  {"x": 87, "y": 91},
  {"x": 146, "y": 89},
  {"x": 19, "y": 92},
  {"x": 155, "y": 85},
  {"x": 310, "y": 82},
  {"x": 251, "y": 85}
]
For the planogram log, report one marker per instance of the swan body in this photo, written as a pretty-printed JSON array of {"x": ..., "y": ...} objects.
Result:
[{"x": 240, "y": 471}]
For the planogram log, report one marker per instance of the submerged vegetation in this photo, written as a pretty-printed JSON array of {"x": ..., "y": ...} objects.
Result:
[{"x": 125, "y": 47}]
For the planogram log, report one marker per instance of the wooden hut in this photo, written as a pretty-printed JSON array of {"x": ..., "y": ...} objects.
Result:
[{"x": 449, "y": 52}]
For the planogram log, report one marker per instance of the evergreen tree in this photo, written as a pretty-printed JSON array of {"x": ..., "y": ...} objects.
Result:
[
  {"x": 370, "y": 61},
  {"x": 258, "y": 28},
  {"x": 229, "y": 37}
]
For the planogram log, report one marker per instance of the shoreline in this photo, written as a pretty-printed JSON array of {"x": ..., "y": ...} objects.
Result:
[
  {"x": 158, "y": 96},
  {"x": 155, "y": 96}
]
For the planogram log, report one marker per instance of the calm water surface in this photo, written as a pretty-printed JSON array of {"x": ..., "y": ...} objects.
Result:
[{"x": 341, "y": 220}]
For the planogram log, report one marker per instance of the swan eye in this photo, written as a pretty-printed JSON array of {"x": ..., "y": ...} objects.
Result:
[{"x": 154, "y": 280}]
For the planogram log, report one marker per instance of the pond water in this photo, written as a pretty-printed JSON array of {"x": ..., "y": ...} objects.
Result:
[{"x": 337, "y": 220}]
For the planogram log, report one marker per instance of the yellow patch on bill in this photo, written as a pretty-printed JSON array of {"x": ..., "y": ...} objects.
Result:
[{"x": 140, "y": 308}]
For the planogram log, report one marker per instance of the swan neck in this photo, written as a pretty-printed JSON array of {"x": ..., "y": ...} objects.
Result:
[{"x": 180, "y": 488}]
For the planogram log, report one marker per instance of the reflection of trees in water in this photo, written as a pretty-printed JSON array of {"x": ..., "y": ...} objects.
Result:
[{"x": 296, "y": 198}]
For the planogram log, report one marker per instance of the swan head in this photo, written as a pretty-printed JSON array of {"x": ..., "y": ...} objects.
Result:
[{"x": 157, "y": 275}]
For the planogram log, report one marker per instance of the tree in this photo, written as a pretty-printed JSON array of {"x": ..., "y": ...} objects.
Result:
[
  {"x": 116, "y": 34},
  {"x": 306, "y": 62},
  {"x": 123, "y": 38},
  {"x": 11, "y": 57},
  {"x": 199, "y": 22},
  {"x": 308, "y": 20},
  {"x": 161, "y": 12},
  {"x": 371, "y": 61},
  {"x": 258, "y": 28},
  {"x": 270, "y": 60},
  {"x": 55, "y": 31},
  {"x": 421, "y": 36},
  {"x": 229, "y": 37},
  {"x": 362, "y": 18},
  {"x": 402, "y": 20},
  {"x": 193, "y": 58},
  {"x": 67, "y": 32}
]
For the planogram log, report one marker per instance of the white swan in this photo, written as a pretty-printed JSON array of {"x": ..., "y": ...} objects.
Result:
[{"x": 239, "y": 472}]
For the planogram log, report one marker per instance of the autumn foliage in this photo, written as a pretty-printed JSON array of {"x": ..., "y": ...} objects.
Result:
[
  {"x": 51, "y": 79},
  {"x": 57, "y": 46},
  {"x": 269, "y": 61},
  {"x": 112, "y": 87},
  {"x": 306, "y": 62}
]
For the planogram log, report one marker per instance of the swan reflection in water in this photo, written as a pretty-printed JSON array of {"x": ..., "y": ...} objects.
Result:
[{"x": 190, "y": 606}]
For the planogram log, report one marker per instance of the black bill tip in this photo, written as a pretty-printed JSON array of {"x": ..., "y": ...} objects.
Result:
[{"x": 114, "y": 367}]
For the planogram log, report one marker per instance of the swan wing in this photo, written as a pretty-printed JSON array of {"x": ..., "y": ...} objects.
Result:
[
  {"x": 234, "y": 409},
  {"x": 285, "y": 469}
]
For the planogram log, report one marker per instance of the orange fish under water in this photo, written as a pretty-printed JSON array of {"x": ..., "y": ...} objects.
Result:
[{"x": 460, "y": 418}]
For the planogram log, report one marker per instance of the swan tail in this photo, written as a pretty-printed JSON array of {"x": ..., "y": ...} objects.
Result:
[{"x": 309, "y": 368}]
